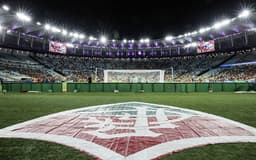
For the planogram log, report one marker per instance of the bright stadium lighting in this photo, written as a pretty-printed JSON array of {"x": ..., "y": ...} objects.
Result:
[
  {"x": 38, "y": 23},
  {"x": 244, "y": 14},
  {"x": 103, "y": 39},
  {"x": 23, "y": 17},
  {"x": 203, "y": 30},
  {"x": 132, "y": 41},
  {"x": 147, "y": 40},
  {"x": 91, "y": 38},
  {"x": 142, "y": 41},
  {"x": 169, "y": 38},
  {"x": 125, "y": 41},
  {"x": 81, "y": 36},
  {"x": 76, "y": 35},
  {"x": 194, "y": 44},
  {"x": 6, "y": 8},
  {"x": 47, "y": 27},
  {"x": 64, "y": 32},
  {"x": 194, "y": 33},
  {"x": 221, "y": 24},
  {"x": 55, "y": 30},
  {"x": 71, "y": 34},
  {"x": 69, "y": 45},
  {"x": 113, "y": 40}
]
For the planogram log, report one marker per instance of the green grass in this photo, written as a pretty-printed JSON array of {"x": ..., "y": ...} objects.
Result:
[{"x": 15, "y": 108}]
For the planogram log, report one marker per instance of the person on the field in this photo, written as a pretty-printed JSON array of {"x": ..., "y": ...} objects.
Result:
[
  {"x": 1, "y": 83},
  {"x": 89, "y": 79}
]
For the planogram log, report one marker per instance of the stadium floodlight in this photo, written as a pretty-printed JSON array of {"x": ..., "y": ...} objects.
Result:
[
  {"x": 194, "y": 44},
  {"x": 180, "y": 36},
  {"x": 221, "y": 24},
  {"x": 69, "y": 45},
  {"x": 169, "y": 38},
  {"x": 81, "y": 36},
  {"x": 103, "y": 39},
  {"x": 38, "y": 23},
  {"x": 47, "y": 27},
  {"x": 76, "y": 35},
  {"x": 64, "y": 32},
  {"x": 91, "y": 38},
  {"x": 132, "y": 41},
  {"x": 113, "y": 40},
  {"x": 125, "y": 41},
  {"x": 147, "y": 40},
  {"x": 71, "y": 34},
  {"x": 55, "y": 30},
  {"x": 23, "y": 17},
  {"x": 203, "y": 30},
  {"x": 142, "y": 41},
  {"x": 194, "y": 33},
  {"x": 244, "y": 14},
  {"x": 6, "y": 8}
]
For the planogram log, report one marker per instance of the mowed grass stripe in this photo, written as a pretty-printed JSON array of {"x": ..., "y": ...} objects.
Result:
[{"x": 16, "y": 108}]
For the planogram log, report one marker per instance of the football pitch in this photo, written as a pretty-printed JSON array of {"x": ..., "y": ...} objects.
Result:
[{"x": 16, "y": 108}]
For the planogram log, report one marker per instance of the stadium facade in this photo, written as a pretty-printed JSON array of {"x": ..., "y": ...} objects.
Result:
[{"x": 55, "y": 54}]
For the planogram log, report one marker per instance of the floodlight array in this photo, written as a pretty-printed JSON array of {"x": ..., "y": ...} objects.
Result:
[
  {"x": 194, "y": 44},
  {"x": 218, "y": 25},
  {"x": 23, "y": 17},
  {"x": 103, "y": 39},
  {"x": 6, "y": 8}
]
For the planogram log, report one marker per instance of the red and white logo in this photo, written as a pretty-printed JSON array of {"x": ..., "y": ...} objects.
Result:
[{"x": 133, "y": 130}]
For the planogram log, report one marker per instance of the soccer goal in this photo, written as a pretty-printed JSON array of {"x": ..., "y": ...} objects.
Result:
[{"x": 134, "y": 76}]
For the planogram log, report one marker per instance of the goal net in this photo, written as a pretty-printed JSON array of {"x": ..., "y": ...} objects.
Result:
[{"x": 134, "y": 76}]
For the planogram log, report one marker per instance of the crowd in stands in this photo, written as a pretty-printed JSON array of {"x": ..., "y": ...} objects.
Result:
[
  {"x": 238, "y": 73},
  {"x": 79, "y": 69}
]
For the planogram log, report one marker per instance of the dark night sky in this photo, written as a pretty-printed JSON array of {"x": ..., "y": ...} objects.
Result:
[{"x": 131, "y": 19}]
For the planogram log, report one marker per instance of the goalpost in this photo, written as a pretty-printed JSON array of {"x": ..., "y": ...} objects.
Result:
[{"x": 134, "y": 76}]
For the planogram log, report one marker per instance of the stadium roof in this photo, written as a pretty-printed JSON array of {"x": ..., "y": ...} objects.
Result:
[{"x": 20, "y": 21}]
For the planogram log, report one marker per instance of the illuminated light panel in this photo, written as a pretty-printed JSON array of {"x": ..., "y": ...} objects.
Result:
[
  {"x": 244, "y": 14},
  {"x": 147, "y": 40},
  {"x": 64, "y": 32},
  {"x": 23, "y": 17},
  {"x": 69, "y": 45},
  {"x": 221, "y": 24},
  {"x": 103, "y": 39},
  {"x": 91, "y": 38},
  {"x": 55, "y": 30},
  {"x": 203, "y": 30},
  {"x": 194, "y": 44},
  {"x": 81, "y": 36},
  {"x": 6, "y": 8},
  {"x": 47, "y": 27},
  {"x": 76, "y": 35},
  {"x": 38, "y": 23},
  {"x": 169, "y": 38}
]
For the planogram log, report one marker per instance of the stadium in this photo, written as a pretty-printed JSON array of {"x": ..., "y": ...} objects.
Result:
[{"x": 67, "y": 94}]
